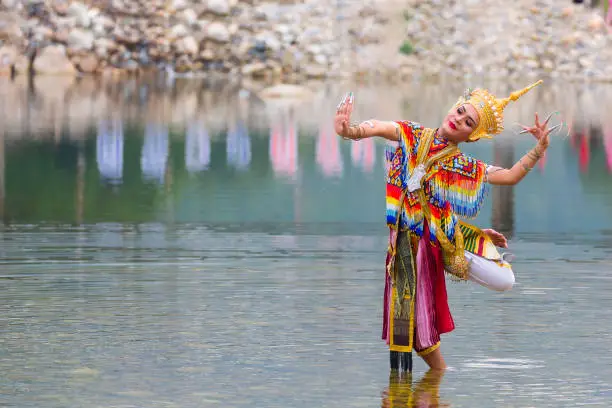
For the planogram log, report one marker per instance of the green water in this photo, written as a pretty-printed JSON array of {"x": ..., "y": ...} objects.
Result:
[{"x": 235, "y": 258}]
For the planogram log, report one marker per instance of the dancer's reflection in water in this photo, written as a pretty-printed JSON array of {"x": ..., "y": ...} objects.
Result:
[
  {"x": 155, "y": 152},
  {"x": 328, "y": 154},
  {"x": 284, "y": 142},
  {"x": 197, "y": 147},
  {"x": 403, "y": 393},
  {"x": 109, "y": 150}
]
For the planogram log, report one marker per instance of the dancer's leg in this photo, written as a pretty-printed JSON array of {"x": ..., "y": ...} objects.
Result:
[{"x": 434, "y": 360}]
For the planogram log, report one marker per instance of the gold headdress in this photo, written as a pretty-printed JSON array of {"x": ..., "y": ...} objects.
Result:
[{"x": 490, "y": 109}]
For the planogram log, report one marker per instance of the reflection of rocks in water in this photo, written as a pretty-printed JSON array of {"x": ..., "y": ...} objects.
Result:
[
  {"x": 284, "y": 143},
  {"x": 155, "y": 152},
  {"x": 45, "y": 104},
  {"x": 402, "y": 393},
  {"x": 197, "y": 147},
  {"x": 329, "y": 155},
  {"x": 238, "y": 145},
  {"x": 109, "y": 150}
]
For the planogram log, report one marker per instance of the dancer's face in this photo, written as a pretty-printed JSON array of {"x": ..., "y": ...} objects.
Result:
[{"x": 460, "y": 123}]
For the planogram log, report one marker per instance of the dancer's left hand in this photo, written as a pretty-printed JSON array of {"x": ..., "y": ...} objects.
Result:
[
  {"x": 498, "y": 239},
  {"x": 540, "y": 131}
]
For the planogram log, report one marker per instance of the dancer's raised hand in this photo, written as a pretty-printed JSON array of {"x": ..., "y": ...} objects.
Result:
[
  {"x": 343, "y": 115},
  {"x": 540, "y": 131}
]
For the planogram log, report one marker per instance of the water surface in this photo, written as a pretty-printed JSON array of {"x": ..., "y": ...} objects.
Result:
[{"x": 233, "y": 257}]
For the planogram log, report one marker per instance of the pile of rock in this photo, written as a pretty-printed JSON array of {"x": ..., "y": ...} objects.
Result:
[
  {"x": 503, "y": 39},
  {"x": 294, "y": 40},
  {"x": 313, "y": 38}
]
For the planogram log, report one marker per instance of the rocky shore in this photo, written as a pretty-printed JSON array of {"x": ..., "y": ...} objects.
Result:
[
  {"x": 510, "y": 39},
  {"x": 235, "y": 38},
  {"x": 292, "y": 41}
]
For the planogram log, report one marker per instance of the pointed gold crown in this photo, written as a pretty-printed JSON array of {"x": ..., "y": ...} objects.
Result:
[{"x": 490, "y": 109}]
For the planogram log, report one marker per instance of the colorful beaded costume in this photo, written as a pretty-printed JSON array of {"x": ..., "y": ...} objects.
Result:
[{"x": 430, "y": 184}]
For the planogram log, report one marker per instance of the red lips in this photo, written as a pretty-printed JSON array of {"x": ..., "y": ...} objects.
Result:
[{"x": 452, "y": 125}]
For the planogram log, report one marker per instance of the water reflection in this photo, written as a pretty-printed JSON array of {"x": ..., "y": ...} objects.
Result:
[
  {"x": 402, "y": 393},
  {"x": 284, "y": 142},
  {"x": 238, "y": 145},
  {"x": 197, "y": 147},
  {"x": 592, "y": 144},
  {"x": 155, "y": 152},
  {"x": 328, "y": 153},
  {"x": 304, "y": 157},
  {"x": 213, "y": 220},
  {"x": 363, "y": 155},
  {"x": 109, "y": 150},
  {"x": 2, "y": 170},
  {"x": 502, "y": 218}
]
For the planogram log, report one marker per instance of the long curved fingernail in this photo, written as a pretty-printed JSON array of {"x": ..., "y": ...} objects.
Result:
[
  {"x": 342, "y": 101},
  {"x": 552, "y": 129},
  {"x": 352, "y": 97},
  {"x": 550, "y": 116}
]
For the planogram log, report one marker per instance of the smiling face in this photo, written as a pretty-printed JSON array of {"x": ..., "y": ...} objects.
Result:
[{"x": 460, "y": 123}]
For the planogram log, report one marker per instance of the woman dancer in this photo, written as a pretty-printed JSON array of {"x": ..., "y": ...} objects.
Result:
[{"x": 430, "y": 183}]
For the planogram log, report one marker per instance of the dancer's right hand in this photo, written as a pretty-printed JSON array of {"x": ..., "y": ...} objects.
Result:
[{"x": 343, "y": 115}]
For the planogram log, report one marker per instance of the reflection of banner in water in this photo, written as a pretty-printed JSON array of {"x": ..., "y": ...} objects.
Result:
[
  {"x": 588, "y": 137},
  {"x": 608, "y": 143},
  {"x": 283, "y": 144},
  {"x": 2, "y": 171},
  {"x": 155, "y": 152},
  {"x": 363, "y": 154},
  {"x": 579, "y": 141},
  {"x": 329, "y": 157},
  {"x": 197, "y": 147},
  {"x": 584, "y": 156},
  {"x": 238, "y": 146},
  {"x": 109, "y": 149}
]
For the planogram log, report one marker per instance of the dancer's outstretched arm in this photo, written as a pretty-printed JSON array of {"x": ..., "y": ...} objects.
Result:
[
  {"x": 513, "y": 175},
  {"x": 369, "y": 128}
]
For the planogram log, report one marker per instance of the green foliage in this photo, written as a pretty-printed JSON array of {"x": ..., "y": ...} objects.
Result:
[{"x": 406, "y": 48}]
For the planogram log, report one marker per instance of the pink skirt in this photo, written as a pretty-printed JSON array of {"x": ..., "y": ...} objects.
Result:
[{"x": 432, "y": 315}]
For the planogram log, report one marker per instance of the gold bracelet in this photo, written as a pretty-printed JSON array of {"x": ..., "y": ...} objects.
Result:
[
  {"x": 527, "y": 169},
  {"x": 535, "y": 149},
  {"x": 534, "y": 155},
  {"x": 356, "y": 132}
]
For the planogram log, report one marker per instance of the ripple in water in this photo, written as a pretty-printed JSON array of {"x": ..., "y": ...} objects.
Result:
[{"x": 504, "y": 364}]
